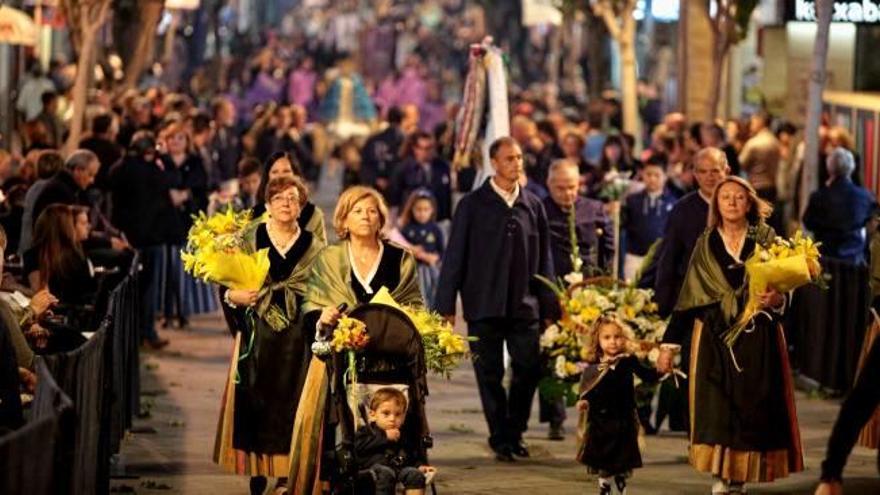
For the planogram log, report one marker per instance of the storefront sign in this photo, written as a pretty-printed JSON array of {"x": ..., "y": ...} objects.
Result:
[{"x": 854, "y": 12}]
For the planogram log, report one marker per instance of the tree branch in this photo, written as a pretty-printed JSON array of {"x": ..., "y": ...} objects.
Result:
[{"x": 603, "y": 9}]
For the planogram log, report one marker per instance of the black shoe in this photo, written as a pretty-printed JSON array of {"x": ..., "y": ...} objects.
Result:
[
  {"x": 620, "y": 482},
  {"x": 557, "y": 432},
  {"x": 604, "y": 489},
  {"x": 503, "y": 453},
  {"x": 520, "y": 449},
  {"x": 258, "y": 485}
]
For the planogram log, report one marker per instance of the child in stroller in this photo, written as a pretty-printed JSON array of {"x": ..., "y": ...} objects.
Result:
[
  {"x": 324, "y": 454},
  {"x": 380, "y": 450}
]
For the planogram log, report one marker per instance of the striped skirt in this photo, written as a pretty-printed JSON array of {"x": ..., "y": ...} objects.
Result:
[
  {"x": 178, "y": 293},
  {"x": 226, "y": 455}
]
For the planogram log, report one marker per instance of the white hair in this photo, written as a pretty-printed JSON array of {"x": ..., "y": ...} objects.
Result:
[
  {"x": 840, "y": 162},
  {"x": 559, "y": 165}
]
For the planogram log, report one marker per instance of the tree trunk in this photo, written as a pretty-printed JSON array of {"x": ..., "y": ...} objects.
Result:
[
  {"x": 80, "y": 90},
  {"x": 629, "y": 94},
  {"x": 810, "y": 167},
  {"x": 149, "y": 12},
  {"x": 553, "y": 63},
  {"x": 719, "y": 58}
]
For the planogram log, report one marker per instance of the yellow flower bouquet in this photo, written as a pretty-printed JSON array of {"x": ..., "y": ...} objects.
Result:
[
  {"x": 444, "y": 349},
  {"x": 217, "y": 251},
  {"x": 784, "y": 265},
  {"x": 349, "y": 337}
]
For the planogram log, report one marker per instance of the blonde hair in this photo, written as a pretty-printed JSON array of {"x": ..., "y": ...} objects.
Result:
[
  {"x": 593, "y": 350},
  {"x": 387, "y": 394},
  {"x": 759, "y": 210},
  {"x": 352, "y": 196}
]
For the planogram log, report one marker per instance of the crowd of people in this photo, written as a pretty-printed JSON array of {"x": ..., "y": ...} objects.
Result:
[{"x": 301, "y": 115}]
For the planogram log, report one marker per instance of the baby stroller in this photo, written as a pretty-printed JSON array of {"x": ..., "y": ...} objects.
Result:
[{"x": 394, "y": 357}]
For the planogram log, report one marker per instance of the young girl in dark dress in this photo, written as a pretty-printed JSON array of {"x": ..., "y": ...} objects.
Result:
[
  {"x": 419, "y": 228},
  {"x": 610, "y": 447}
]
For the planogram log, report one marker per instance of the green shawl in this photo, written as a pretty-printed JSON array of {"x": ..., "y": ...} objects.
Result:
[
  {"x": 295, "y": 283},
  {"x": 705, "y": 284},
  {"x": 330, "y": 282},
  {"x": 315, "y": 225}
]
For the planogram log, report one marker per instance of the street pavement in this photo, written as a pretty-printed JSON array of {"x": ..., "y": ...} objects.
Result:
[{"x": 170, "y": 450}]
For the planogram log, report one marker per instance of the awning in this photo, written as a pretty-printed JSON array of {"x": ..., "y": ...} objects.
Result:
[{"x": 16, "y": 27}]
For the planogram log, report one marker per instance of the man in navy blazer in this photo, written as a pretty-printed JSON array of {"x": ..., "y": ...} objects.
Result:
[
  {"x": 499, "y": 241},
  {"x": 837, "y": 214}
]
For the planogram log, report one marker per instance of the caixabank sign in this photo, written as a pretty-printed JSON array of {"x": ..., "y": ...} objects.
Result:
[{"x": 853, "y": 12}]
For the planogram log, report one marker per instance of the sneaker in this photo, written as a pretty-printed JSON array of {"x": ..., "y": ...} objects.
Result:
[
  {"x": 620, "y": 482},
  {"x": 604, "y": 489}
]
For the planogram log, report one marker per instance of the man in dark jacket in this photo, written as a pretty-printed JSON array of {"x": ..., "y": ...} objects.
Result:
[
  {"x": 500, "y": 240},
  {"x": 686, "y": 222},
  {"x": 595, "y": 245},
  {"x": 68, "y": 185},
  {"x": 381, "y": 154},
  {"x": 423, "y": 170},
  {"x": 142, "y": 209},
  {"x": 102, "y": 142},
  {"x": 837, "y": 214}
]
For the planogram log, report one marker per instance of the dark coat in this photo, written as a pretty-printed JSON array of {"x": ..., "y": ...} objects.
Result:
[
  {"x": 372, "y": 447},
  {"x": 645, "y": 221},
  {"x": 594, "y": 234},
  {"x": 380, "y": 155},
  {"x": 190, "y": 176},
  {"x": 493, "y": 255},
  {"x": 141, "y": 204},
  {"x": 686, "y": 222},
  {"x": 61, "y": 189},
  {"x": 226, "y": 147},
  {"x": 837, "y": 215},
  {"x": 411, "y": 176}
]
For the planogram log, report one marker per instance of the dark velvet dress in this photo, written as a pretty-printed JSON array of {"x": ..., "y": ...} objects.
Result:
[
  {"x": 612, "y": 435},
  {"x": 743, "y": 421},
  {"x": 388, "y": 274},
  {"x": 272, "y": 373}
]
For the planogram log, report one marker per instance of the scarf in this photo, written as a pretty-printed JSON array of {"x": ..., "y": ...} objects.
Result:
[
  {"x": 705, "y": 284},
  {"x": 330, "y": 281}
]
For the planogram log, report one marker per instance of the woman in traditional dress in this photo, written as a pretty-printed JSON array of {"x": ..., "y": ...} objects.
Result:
[
  {"x": 311, "y": 218},
  {"x": 743, "y": 421},
  {"x": 351, "y": 272},
  {"x": 272, "y": 349}
]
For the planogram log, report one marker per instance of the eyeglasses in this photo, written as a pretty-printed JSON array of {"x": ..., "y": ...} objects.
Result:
[{"x": 284, "y": 199}]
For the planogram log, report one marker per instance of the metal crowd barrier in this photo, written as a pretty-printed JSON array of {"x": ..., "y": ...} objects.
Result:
[{"x": 84, "y": 403}]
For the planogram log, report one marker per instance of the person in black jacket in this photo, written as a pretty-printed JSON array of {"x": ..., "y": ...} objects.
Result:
[
  {"x": 421, "y": 169},
  {"x": 67, "y": 186},
  {"x": 858, "y": 407},
  {"x": 380, "y": 449},
  {"x": 381, "y": 154},
  {"x": 142, "y": 209},
  {"x": 500, "y": 240}
]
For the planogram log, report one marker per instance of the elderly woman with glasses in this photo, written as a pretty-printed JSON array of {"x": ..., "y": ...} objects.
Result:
[
  {"x": 272, "y": 345},
  {"x": 283, "y": 164}
]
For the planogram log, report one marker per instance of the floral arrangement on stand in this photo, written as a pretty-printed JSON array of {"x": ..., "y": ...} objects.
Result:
[
  {"x": 783, "y": 264},
  {"x": 444, "y": 349},
  {"x": 582, "y": 301}
]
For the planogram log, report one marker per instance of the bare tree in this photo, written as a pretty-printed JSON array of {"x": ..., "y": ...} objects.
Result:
[
  {"x": 621, "y": 25},
  {"x": 86, "y": 17},
  {"x": 729, "y": 21},
  {"x": 148, "y": 14},
  {"x": 810, "y": 170}
]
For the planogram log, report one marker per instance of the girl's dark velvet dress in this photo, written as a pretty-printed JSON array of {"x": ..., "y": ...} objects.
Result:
[
  {"x": 743, "y": 421},
  {"x": 270, "y": 372},
  {"x": 611, "y": 443}
]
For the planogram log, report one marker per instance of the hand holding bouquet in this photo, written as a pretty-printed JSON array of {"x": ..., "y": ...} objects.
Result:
[{"x": 783, "y": 265}]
